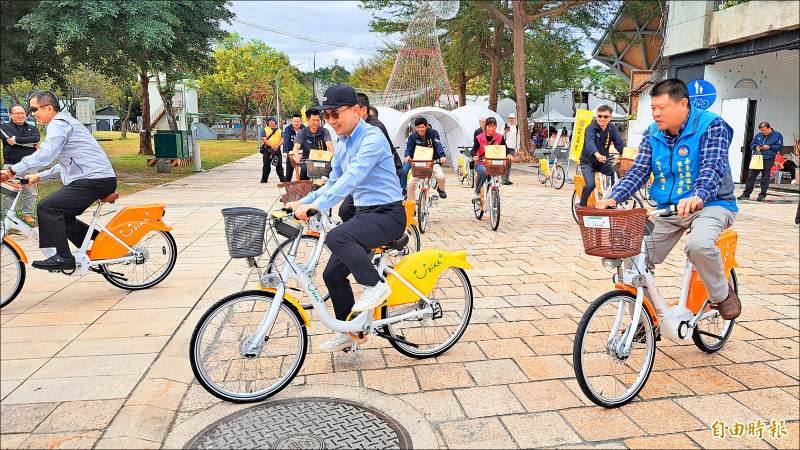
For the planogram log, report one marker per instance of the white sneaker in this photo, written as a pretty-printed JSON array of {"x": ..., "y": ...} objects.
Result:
[
  {"x": 372, "y": 296},
  {"x": 339, "y": 341}
]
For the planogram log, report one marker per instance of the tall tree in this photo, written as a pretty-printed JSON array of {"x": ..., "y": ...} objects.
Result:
[
  {"x": 109, "y": 34},
  {"x": 521, "y": 15},
  {"x": 373, "y": 72},
  {"x": 243, "y": 80}
]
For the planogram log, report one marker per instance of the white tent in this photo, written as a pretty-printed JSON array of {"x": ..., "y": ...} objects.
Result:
[
  {"x": 615, "y": 117},
  {"x": 553, "y": 116}
]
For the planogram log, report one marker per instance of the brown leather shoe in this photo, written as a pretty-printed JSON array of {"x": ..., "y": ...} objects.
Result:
[
  {"x": 29, "y": 220},
  {"x": 731, "y": 307}
]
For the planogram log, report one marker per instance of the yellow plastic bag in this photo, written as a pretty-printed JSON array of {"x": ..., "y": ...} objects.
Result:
[{"x": 757, "y": 162}]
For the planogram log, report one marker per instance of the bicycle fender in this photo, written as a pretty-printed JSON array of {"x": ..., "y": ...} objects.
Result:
[
  {"x": 16, "y": 248},
  {"x": 294, "y": 303},
  {"x": 422, "y": 270},
  {"x": 697, "y": 290},
  {"x": 129, "y": 225},
  {"x": 647, "y": 305}
]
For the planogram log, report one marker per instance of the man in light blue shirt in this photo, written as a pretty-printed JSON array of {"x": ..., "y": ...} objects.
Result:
[
  {"x": 362, "y": 165},
  {"x": 84, "y": 169}
]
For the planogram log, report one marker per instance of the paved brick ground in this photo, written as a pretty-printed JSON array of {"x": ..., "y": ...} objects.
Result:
[{"x": 85, "y": 364}]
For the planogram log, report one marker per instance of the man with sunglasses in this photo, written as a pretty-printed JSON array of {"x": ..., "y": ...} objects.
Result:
[
  {"x": 312, "y": 137},
  {"x": 362, "y": 165},
  {"x": 594, "y": 157},
  {"x": 84, "y": 169}
]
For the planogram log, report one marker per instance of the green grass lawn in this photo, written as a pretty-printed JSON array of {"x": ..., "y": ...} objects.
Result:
[{"x": 133, "y": 175}]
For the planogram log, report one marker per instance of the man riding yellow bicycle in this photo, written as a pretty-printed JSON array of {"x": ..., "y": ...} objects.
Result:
[{"x": 687, "y": 151}]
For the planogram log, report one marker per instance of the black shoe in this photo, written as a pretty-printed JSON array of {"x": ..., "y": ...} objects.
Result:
[
  {"x": 55, "y": 262},
  {"x": 743, "y": 197},
  {"x": 442, "y": 194},
  {"x": 761, "y": 198},
  {"x": 507, "y": 183},
  {"x": 405, "y": 192},
  {"x": 264, "y": 181}
]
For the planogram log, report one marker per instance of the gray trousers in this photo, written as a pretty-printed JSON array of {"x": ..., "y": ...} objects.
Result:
[
  {"x": 705, "y": 228},
  {"x": 29, "y": 193},
  {"x": 508, "y": 171}
]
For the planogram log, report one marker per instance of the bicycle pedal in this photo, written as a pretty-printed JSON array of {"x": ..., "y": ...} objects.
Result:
[{"x": 434, "y": 197}]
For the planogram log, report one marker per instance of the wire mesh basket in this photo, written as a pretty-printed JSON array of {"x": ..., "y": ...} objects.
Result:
[
  {"x": 244, "y": 231},
  {"x": 294, "y": 190},
  {"x": 421, "y": 169},
  {"x": 496, "y": 166},
  {"x": 612, "y": 233}
]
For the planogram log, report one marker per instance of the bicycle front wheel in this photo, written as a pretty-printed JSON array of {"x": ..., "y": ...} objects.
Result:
[
  {"x": 217, "y": 341},
  {"x": 558, "y": 177},
  {"x": 305, "y": 250},
  {"x": 435, "y": 333},
  {"x": 477, "y": 207},
  {"x": 494, "y": 209},
  {"x": 12, "y": 274},
  {"x": 158, "y": 255},
  {"x": 715, "y": 325},
  {"x": 422, "y": 210},
  {"x": 434, "y": 183},
  {"x": 471, "y": 179},
  {"x": 606, "y": 377}
]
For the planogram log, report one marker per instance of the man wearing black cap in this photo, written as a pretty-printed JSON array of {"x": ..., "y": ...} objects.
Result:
[{"x": 363, "y": 166}]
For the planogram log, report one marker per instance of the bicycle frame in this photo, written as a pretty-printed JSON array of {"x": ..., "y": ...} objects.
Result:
[
  {"x": 676, "y": 321},
  {"x": 83, "y": 262},
  {"x": 290, "y": 270},
  {"x": 492, "y": 182}
]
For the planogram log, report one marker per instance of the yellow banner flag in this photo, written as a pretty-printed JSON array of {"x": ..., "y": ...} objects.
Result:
[
  {"x": 582, "y": 120},
  {"x": 303, "y": 114}
]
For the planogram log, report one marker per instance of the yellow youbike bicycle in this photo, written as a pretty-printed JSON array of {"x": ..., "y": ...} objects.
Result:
[
  {"x": 251, "y": 345},
  {"x": 551, "y": 169}
]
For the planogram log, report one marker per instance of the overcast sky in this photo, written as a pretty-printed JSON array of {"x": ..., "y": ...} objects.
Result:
[{"x": 337, "y": 21}]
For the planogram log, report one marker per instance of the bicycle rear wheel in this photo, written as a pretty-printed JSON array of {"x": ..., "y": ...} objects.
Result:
[
  {"x": 608, "y": 379},
  {"x": 12, "y": 274},
  {"x": 576, "y": 201},
  {"x": 435, "y": 333},
  {"x": 471, "y": 179},
  {"x": 644, "y": 193},
  {"x": 477, "y": 207},
  {"x": 159, "y": 254},
  {"x": 216, "y": 356},
  {"x": 434, "y": 182},
  {"x": 494, "y": 209},
  {"x": 558, "y": 177},
  {"x": 542, "y": 176},
  {"x": 631, "y": 203},
  {"x": 716, "y": 325}
]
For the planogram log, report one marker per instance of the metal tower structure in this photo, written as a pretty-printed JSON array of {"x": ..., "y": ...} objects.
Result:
[{"x": 419, "y": 77}]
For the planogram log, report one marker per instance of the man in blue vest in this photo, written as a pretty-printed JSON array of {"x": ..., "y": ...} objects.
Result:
[{"x": 687, "y": 150}]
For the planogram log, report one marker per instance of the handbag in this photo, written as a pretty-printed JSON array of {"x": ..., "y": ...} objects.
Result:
[{"x": 757, "y": 162}]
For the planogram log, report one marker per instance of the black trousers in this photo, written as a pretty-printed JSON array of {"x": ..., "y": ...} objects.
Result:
[
  {"x": 347, "y": 210},
  {"x": 268, "y": 156},
  {"x": 58, "y": 211},
  {"x": 289, "y": 170},
  {"x": 350, "y": 244},
  {"x": 588, "y": 172},
  {"x": 750, "y": 183}
]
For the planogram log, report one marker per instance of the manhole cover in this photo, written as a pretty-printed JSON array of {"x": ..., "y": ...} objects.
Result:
[{"x": 308, "y": 423}]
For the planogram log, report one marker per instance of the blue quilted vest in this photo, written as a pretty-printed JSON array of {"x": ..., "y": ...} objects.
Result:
[{"x": 677, "y": 170}]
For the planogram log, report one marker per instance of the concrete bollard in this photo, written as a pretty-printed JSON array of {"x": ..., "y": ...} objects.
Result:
[{"x": 163, "y": 167}]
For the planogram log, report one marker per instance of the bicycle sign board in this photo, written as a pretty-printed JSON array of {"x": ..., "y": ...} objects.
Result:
[
  {"x": 596, "y": 222},
  {"x": 702, "y": 94}
]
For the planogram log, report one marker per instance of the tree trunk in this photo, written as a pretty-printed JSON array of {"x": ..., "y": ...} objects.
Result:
[
  {"x": 243, "y": 121},
  {"x": 462, "y": 88},
  {"x": 494, "y": 78},
  {"x": 123, "y": 132},
  {"x": 145, "y": 135},
  {"x": 518, "y": 31},
  {"x": 166, "y": 92}
]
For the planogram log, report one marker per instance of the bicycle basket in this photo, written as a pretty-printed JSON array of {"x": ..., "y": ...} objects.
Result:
[
  {"x": 244, "y": 231},
  {"x": 421, "y": 169},
  {"x": 624, "y": 165},
  {"x": 294, "y": 190},
  {"x": 612, "y": 233},
  {"x": 496, "y": 166},
  {"x": 318, "y": 169}
]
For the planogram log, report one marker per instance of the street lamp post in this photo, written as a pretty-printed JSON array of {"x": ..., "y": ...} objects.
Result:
[{"x": 277, "y": 92}]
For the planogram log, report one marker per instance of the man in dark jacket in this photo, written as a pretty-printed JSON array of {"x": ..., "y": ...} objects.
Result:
[
  {"x": 424, "y": 137},
  {"x": 289, "y": 133},
  {"x": 767, "y": 144},
  {"x": 19, "y": 140},
  {"x": 594, "y": 157}
]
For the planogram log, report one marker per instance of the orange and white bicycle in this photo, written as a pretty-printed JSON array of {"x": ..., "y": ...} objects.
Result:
[
  {"x": 134, "y": 250},
  {"x": 615, "y": 344}
]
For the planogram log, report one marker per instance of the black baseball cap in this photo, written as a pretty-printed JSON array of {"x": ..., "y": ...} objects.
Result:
[{"x": 338, "y": 95}]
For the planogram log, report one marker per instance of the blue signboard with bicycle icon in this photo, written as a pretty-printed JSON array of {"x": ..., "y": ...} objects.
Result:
[{"x": 702, "y": 94}]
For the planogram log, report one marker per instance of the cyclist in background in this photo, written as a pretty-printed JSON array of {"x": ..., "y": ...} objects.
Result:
[
  {"x": 488, "y": 137},
  {"x": 687, "y": 150},
  {"x": 594, "y": 157},
  {"x": 424, "y": 137}
]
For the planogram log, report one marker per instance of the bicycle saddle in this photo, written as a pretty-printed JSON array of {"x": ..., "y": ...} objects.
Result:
[
  {"x": 398, "y": 244},
  {"x": 110, "y": 198}
]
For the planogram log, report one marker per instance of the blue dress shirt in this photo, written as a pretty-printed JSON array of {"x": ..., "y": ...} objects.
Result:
[{"x": 362, "y": 165}]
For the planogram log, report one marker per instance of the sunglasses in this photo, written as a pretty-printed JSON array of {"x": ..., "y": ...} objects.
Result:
[
  {"x": 333, "y": 114},
  {"x": 33, "y": 109},
  {"x": 603, "y": 117}
]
